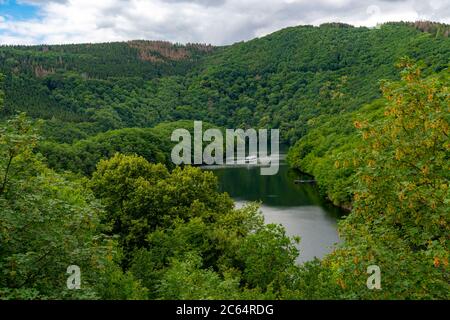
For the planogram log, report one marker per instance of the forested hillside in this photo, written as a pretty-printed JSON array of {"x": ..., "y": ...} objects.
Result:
[
  {"x": 88, "y": 88},
  {"x": 294, "y": 75},
  {"x": 85, "y": 174},
  {"x": 281, "y": 80}
]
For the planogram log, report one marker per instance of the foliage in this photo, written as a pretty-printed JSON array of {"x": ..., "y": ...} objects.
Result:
[
  {"x": 267, "y": 255},
  {"x": 279, "y": 81},
  {"x": 139, "y": 228},
  {"x": 186, "y": 280},
  {"x": 83, "y": 155},
  {"x": 176, "y": 223},
  {"x": 2, "y": 93},
  {"x": 135, "y": 193},
  {"x": 47, "y": 222},
  {"x": 401, "y": 206},
  {"x": 328, "y": 151},
  {"x": 118, "y": 285}
]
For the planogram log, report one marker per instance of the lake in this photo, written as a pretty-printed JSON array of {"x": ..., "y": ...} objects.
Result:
[{"x": 298, "y": 207}]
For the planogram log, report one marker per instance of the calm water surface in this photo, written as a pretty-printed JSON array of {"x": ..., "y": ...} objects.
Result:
[{"x": 298, "y": 207}]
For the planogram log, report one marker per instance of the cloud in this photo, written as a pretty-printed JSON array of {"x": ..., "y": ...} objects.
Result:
[
  {"x": 206, "y": 3},
  {"x": 207, "y": 21},
  {"x": 39, "y": 2}
]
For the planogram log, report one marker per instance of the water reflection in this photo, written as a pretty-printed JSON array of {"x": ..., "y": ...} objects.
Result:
[{"x": 298, "y": 207}]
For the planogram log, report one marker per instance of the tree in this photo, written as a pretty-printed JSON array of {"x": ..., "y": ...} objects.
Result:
[
  {"x": 400, "y": 219},
  {"x": 47, "y": 223},
  {"x": 177, "y": 230},
  {"x": 140, "y": 196},
  {"x": 186, "y": 280},
  {"x": 17, "y": 139},
  {"x": 268, "y": 256},
  {"x": 2, "y": 93}
]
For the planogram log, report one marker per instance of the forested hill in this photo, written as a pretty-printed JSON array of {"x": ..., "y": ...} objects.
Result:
[
  {"x": 85, "y": 84},
  {"x": 139, "y": 58},
  {"x": 294, "y": 75},
  {"x": 94, "y": 187},
  {"x": 282, "y": 80}
]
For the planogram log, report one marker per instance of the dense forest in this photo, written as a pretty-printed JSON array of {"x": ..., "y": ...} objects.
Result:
[{"x": 85, "y": 173}]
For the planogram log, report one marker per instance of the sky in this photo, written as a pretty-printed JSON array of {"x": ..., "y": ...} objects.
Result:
[{"x": 218, "y": 22}]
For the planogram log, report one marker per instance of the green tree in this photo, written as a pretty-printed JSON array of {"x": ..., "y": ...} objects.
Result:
[
  {"x": 47, "y": 223},
  {"x": 17, "y": 139},
  {"x": 2, "y": 93},
  {"x": 268, "y": 256},
  {"x": 187, "y": 281},
  {"x": 400, "y": 219},
  {"x": 140, "y": 196}
]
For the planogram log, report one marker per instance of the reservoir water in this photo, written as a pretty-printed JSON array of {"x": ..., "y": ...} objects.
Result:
[{"x": 298, "y": 207}]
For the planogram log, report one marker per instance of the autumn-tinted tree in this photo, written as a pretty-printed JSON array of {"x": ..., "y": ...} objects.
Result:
[{"x": 400, "y": 219}]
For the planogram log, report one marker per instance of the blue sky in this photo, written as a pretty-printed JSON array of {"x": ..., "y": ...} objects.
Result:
[
  {"x": 18, "y": 11},
  {"x": 206, "y": 21}
]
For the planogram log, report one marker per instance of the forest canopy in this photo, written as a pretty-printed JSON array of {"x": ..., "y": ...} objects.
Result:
[{"x": 86, "y": 176}]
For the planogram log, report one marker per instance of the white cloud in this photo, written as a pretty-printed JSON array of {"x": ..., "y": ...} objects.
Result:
[{"x": 213, "y": 21}]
